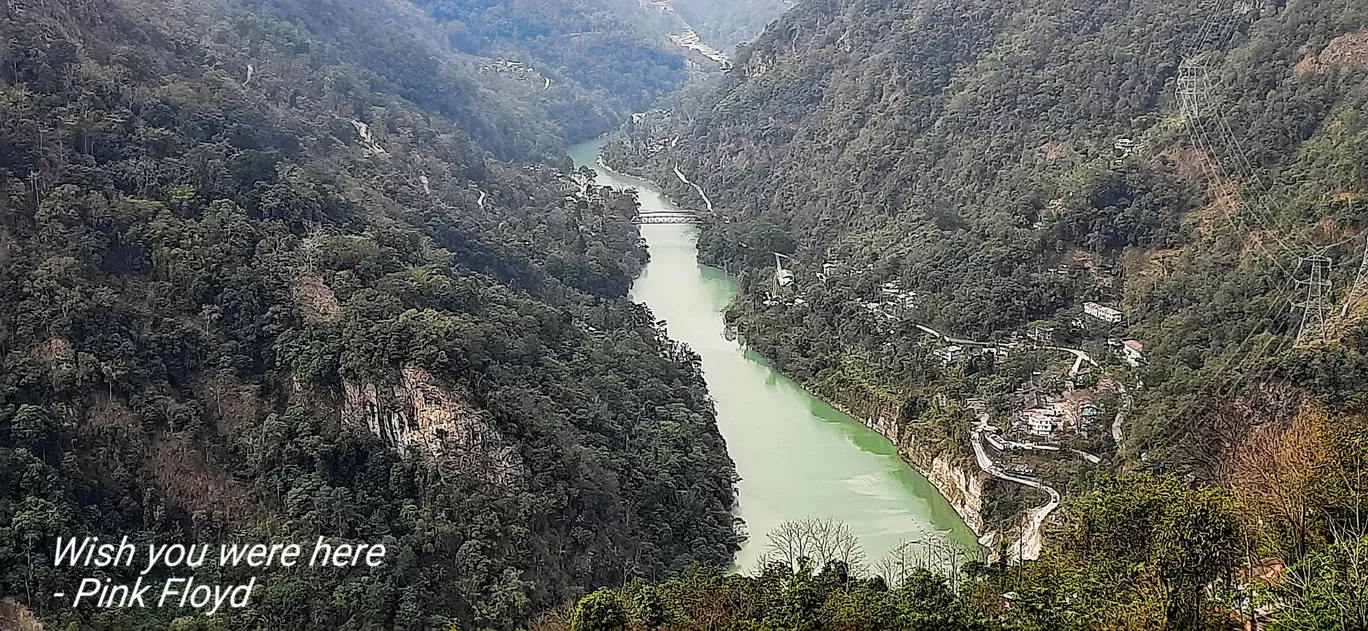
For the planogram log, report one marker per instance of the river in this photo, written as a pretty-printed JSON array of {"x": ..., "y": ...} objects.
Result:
[{"x": 796, "y": 456}]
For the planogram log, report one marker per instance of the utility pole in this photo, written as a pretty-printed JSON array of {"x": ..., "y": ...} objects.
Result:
[{"x": 1313, "y": 308}]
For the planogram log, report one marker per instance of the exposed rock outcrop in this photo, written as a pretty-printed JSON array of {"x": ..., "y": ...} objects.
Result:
[
  {"x": 961, "y": 485},
  {"x": 420, "y": 417}
]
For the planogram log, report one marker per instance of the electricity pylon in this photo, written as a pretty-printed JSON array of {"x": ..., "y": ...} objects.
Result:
[
  {"x": 1192, "y": 87},
  {"x": 1315, "y": 305}
]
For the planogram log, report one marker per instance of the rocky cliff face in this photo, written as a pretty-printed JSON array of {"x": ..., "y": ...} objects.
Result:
[
  {"x": 962, "y": 486},
  {"x": 420, "y": 417}
]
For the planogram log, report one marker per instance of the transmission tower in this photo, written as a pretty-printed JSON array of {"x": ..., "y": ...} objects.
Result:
[
  {"x": 1315, "y": 305},
  {"x": 1360, "y": 283},
  {"x": 1192, "y": 86}
]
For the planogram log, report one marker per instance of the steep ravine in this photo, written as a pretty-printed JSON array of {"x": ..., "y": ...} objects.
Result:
[
  {"x": 961, "y": 483},
  {"x": 798, "y": 456}
]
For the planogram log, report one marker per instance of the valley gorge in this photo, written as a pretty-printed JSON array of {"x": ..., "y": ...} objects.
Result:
[{"x": 690, "y": 315}]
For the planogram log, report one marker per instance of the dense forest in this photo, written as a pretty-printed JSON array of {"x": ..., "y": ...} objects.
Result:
[
  {"x": 268, "y": 274},
  {"x": 1004, "y": 163},
  {"x": 970, "y": 154}
]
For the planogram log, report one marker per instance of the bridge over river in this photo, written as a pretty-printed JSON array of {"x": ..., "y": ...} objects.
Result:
[{"x": 663, "y": 216}]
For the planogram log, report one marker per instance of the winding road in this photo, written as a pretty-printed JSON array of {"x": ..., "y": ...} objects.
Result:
[
  {"x": 1031, "y": 539},
  {"x": 1121, "y": 414}
]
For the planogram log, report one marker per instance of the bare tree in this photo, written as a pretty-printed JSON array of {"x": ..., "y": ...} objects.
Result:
[
  {"x": 935, "y": 555},
  {"x": 1274, "y": 471},
  {"x": 822, "y": 541}
]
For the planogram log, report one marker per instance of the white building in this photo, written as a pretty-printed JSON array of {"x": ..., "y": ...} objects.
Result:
[
  {"x": 1132, "y": 352},
  {"x": 950, "y": 354},
  {"x": 1103, "y": 313},
  {"x": 1040, "y": 424},
  {"x": 1042, "y": 335},
  {"x": 1042, "y": 415}
]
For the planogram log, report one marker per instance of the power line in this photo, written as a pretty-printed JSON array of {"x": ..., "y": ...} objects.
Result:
[{"x": 1360, "y": 283}]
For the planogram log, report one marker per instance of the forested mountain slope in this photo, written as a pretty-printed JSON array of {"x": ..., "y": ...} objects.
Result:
[
  {"x": 970, "y": 152},
  {"x": 996, "y": 165},
  {"x": 728, "y": 23},
  {"x": 587, "y": 64},
  {"x": 265, "y": 276}
]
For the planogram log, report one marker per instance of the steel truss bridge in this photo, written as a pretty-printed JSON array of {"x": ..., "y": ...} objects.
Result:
[{"x": 654, "y": 217}]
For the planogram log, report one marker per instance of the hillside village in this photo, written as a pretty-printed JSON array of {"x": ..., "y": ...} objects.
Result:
[{"x": 1072, "y": 408}]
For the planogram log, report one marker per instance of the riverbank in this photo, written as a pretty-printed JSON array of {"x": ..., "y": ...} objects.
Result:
[
  {"x": 961, "y": 486},
  {"x": 797, "y": 456},
  {"x": 960, "y": 483}
]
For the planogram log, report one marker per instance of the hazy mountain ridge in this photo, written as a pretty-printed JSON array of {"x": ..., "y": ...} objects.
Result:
[{"x": 729, "y": 23}]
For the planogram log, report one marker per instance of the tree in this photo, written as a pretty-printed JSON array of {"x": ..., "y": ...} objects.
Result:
[
  {"x": 1328, "y": 589},
  {"x": 32, "y": 427},
  {"x": 648, "y": 607},
  {"x": 820, "y": 541},
  {"x": 1275, "y": 474},
  {"x": 1156, "y": 542},
  {"x": 602, "y": 610}
]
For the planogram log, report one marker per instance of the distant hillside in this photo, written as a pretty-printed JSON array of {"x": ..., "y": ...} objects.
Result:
[
  {"x": 586, "y": 64},
  {"x": 1201, "y": 167},
  {"x": 972, "y": 152},
  {"x": 728, "y": 23},
  {"x": 270, "y": 273}
]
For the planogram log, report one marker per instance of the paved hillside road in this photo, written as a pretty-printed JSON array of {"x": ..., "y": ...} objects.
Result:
[
  {"x": 952, "y": 340},
  {"x": 1126, "y": 403},
  {"x": 1031, "y": 538},
  {"x": 1080, "y": 354}
]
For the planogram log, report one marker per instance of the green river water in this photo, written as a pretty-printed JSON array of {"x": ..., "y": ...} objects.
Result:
[{"x": 796, "y": 455}]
